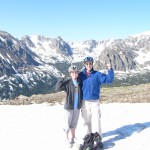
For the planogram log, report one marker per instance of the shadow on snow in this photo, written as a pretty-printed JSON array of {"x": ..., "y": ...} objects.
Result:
[{"x": 123, "y": 132}]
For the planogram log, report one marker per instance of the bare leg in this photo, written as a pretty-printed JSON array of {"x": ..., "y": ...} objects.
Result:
[
  {"x": 67, "y": 135},
  {"x": 69, "y": 144},
  {"x": 73, "y": 133}
]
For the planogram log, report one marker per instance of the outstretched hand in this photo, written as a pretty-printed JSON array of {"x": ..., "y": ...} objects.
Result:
[
  {"x": 109, "y": 66},
  {"x": 63, "y": 76}
]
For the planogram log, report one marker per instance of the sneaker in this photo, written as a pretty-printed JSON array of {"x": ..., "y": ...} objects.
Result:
[{"x": 72, "y": 140}]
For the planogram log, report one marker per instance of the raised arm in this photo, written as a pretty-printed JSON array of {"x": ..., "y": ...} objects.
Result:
[
  {"x": 60, "y": 85},
  {"x": 109, "y": 77}
]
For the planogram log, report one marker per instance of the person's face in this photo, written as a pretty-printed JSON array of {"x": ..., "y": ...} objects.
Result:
[
  {"x": 74, "y": 74},
  {"x": 89, "y": 65}
]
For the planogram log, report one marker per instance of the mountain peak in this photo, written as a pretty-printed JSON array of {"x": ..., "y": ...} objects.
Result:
[
  {"x": 147, "y": 33},
  {"x": 4, "y": 34},
  {"x": 59, "y": 38}
]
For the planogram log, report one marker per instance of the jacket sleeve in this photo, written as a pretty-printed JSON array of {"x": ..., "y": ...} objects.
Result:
[
  {"x": 60, "y": 85},
  {"x": 107, "y": 78}
]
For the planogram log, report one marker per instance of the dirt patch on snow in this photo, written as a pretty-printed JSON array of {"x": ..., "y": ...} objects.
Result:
[{"x": 125, "y": 94}]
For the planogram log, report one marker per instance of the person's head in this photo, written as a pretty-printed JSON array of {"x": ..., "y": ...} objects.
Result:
[
  {"x": 88, "y": 62},
  {"x": 74, "y": 71}
]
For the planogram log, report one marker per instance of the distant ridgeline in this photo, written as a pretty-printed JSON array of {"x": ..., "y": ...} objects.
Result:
[{"x": 33, "y": 64}]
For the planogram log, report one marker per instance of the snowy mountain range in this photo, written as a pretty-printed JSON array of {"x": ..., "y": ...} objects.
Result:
[{"x": 32, "y": 64}]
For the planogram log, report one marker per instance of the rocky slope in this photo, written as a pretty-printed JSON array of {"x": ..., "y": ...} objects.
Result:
[{"x": 126, "y": 94}]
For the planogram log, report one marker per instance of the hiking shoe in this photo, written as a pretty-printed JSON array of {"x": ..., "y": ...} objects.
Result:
[{"x": 72, "y": 141}]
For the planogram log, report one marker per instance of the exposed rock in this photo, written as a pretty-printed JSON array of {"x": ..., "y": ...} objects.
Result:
[
  {"x": 33, "y": 64},
  {"x": 126, "y": 94}
]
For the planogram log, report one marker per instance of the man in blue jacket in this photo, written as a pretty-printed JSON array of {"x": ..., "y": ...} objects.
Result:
[{"x": 92, "y": 80}]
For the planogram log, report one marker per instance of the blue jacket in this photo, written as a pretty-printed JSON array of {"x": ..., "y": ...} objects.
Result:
[{"x": 91, "y": 84}]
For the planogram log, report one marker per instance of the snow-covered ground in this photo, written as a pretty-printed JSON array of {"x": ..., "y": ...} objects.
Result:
[{"x": 39, "y": 127}]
